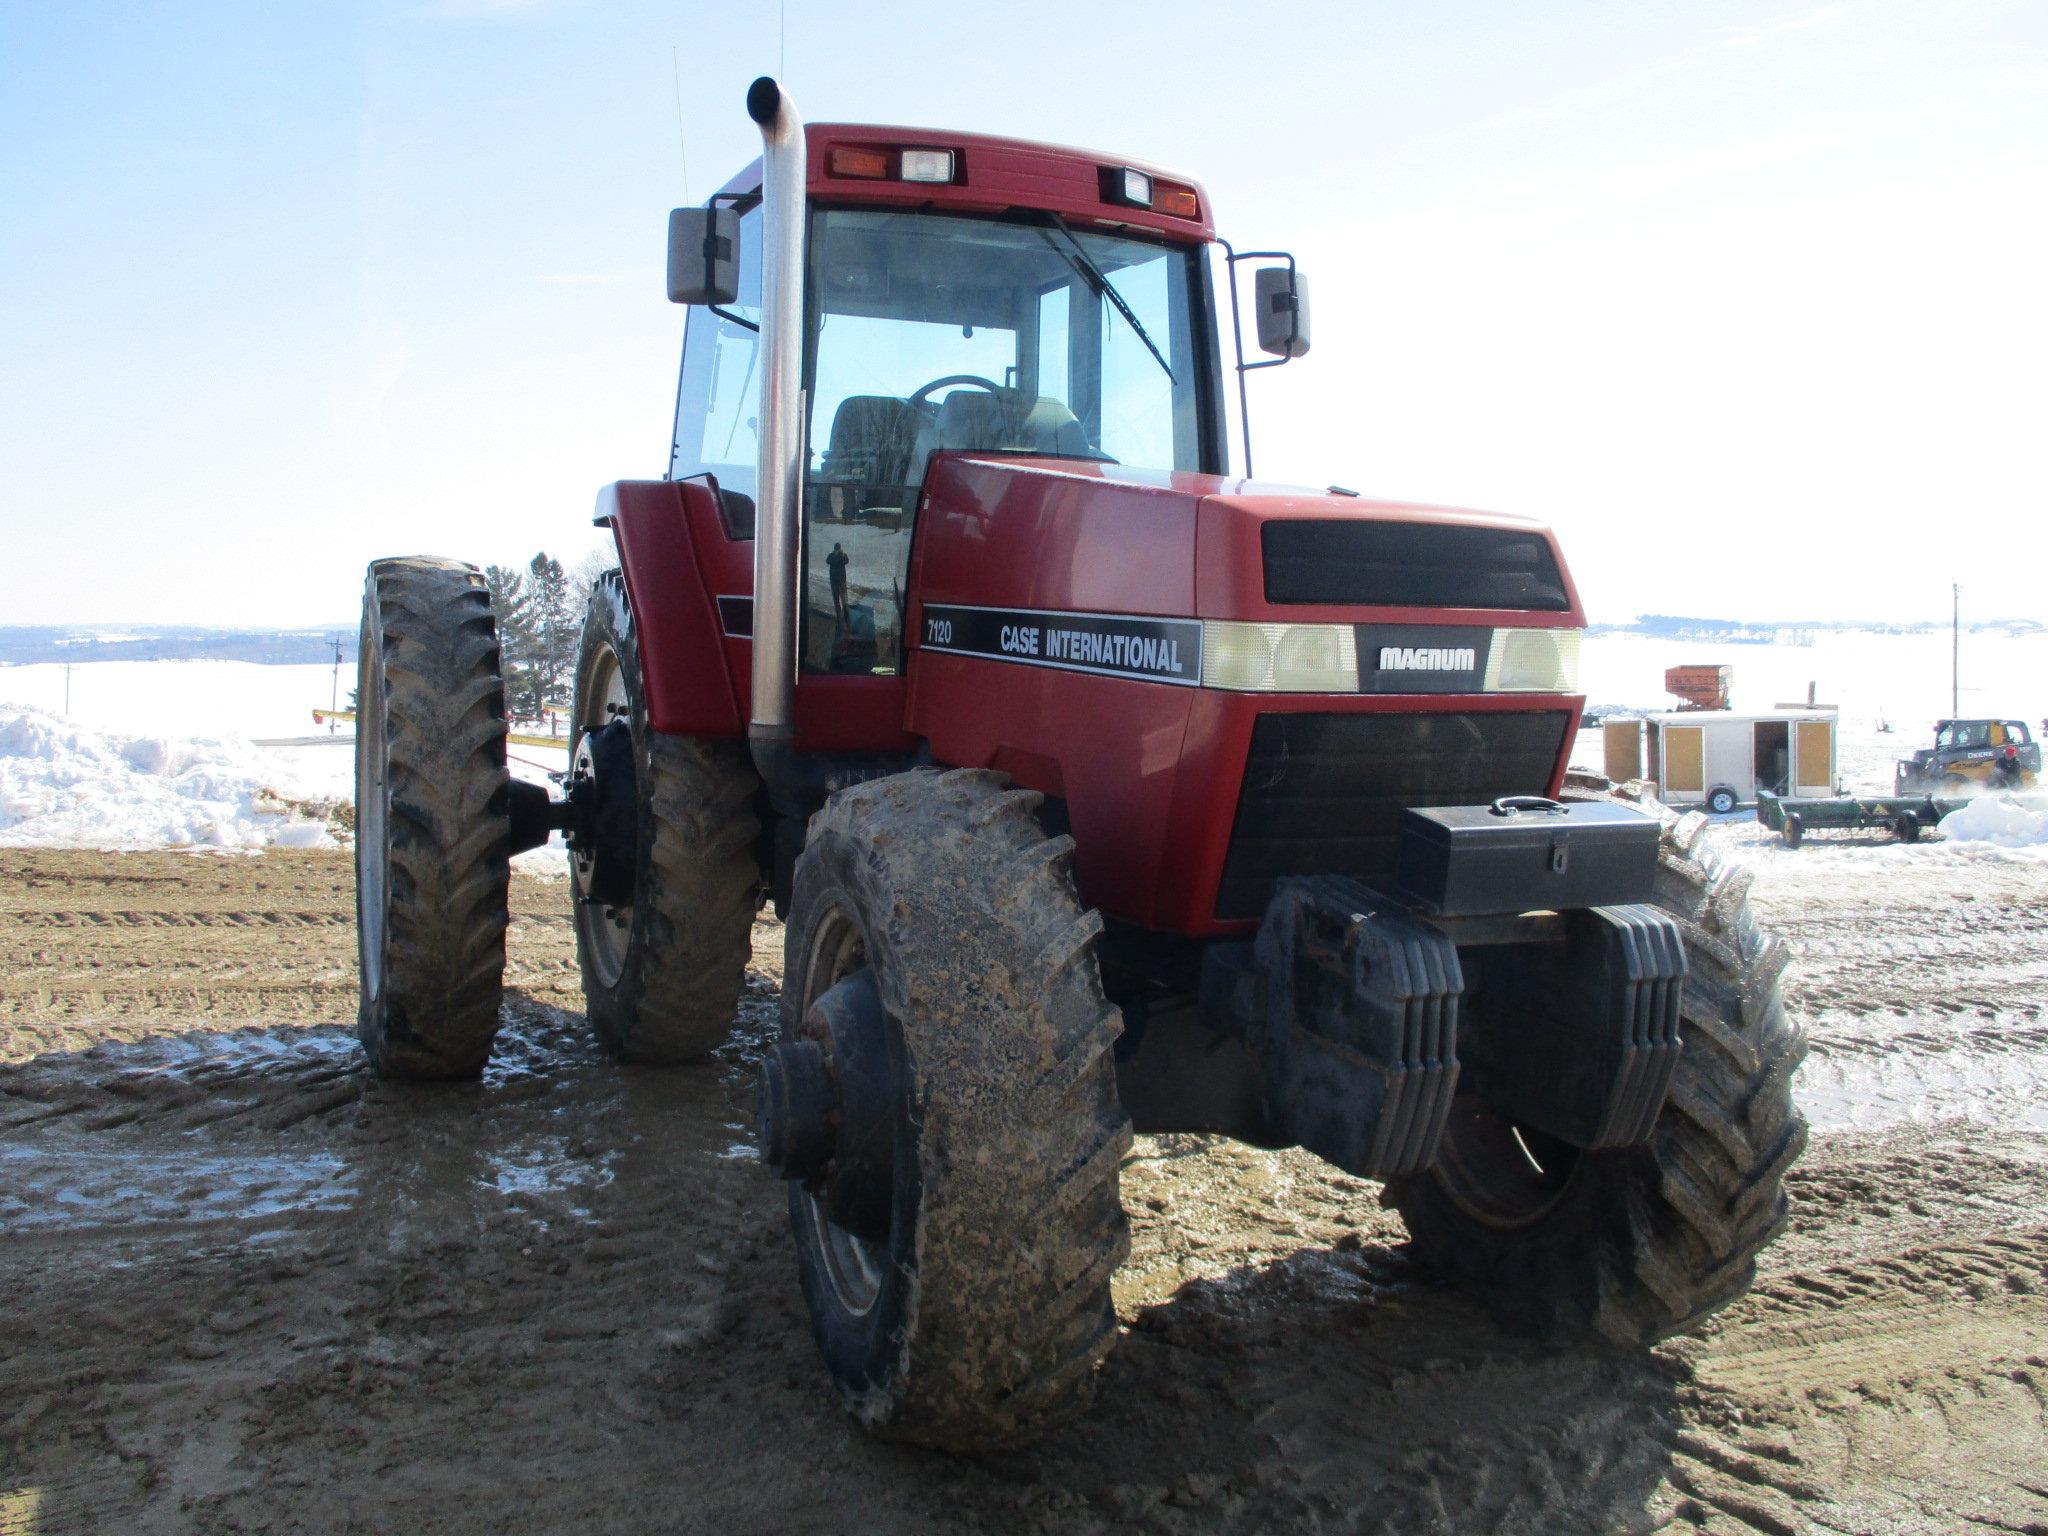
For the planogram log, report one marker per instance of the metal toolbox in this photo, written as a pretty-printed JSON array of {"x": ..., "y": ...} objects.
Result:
[{"x": 1524, "y": 854}]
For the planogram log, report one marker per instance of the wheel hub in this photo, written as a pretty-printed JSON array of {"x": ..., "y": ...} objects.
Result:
[
  {"x": 603, "y": 797},
  {"x": 826, "y": 1108}
]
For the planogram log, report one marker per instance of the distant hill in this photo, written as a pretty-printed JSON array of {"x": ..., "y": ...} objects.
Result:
[
  {"x": 22, "y": 643},
  {"x": 1796, "y": 631}
]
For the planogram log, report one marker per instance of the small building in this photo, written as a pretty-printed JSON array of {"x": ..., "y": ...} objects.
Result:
[{"x": 1720, "y": 760}]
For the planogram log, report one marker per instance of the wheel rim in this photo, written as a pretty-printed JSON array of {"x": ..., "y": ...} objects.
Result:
[
  {"x": 1500, "y": 1174},
  {"x": 607, "y": 927},
  {"x": 371, "y": 848},
  {"x": 854, "y": 1267}
]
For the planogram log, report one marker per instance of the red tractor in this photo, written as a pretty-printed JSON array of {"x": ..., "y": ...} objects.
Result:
[{"x": 1099, "y": 791}]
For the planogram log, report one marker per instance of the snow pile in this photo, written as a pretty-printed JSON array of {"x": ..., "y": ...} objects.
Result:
[
  {"x": 66, "y": 786},
  {"x": 1996, "y": 819}
]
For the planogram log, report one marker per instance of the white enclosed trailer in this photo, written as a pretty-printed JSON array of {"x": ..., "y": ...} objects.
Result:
[{"x": 1719, "y": 760}]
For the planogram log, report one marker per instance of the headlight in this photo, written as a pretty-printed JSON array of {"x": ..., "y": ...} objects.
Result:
[
  {"x": 1533, "y": 661},
  {"x": 1279, "y": 658},
  {"x": 1323, "y": 658}
]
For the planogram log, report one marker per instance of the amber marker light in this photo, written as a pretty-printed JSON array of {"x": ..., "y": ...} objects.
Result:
[{"x": 857, "y": 160}]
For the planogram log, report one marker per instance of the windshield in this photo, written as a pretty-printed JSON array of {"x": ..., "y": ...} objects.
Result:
[
  {"x": 932, "y": 333},
  {"x": 1964, "y": 734}
]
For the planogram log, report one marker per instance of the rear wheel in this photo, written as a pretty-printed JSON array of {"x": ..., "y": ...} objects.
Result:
[
  {"x": 1722, "y": 800},
  {"x": 667, "y": 883},
  {"x": 954, "y": 1184},
  {"x": 433, "y": 837},
  {"x": 1634, "y": 1244}
]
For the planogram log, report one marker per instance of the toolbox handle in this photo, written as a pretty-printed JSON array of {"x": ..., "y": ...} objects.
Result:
[{"x": 1514, "y": 805}]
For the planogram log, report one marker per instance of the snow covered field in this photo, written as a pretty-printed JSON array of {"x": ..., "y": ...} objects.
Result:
[{"x": 163, "y": 754}]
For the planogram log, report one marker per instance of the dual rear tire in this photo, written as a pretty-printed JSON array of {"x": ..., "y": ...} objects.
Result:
[
  {"x": 663, "y": 962},
  {"x": 433, "y": 834},
  {"x": 663, "y": 968}
]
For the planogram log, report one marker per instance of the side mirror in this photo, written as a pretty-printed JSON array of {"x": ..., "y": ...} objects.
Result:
[
  {"x": 704, "y": 256},
  {"x": 1280, "y": 296}
]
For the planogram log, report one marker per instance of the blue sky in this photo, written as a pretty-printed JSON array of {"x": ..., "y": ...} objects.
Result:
[{"x": 1747, "y": 298}]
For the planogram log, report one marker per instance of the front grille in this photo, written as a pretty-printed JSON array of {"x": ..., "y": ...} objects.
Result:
[
  {"x": 1322, "y": 794},
  {"x": 1366, "y": 563}
]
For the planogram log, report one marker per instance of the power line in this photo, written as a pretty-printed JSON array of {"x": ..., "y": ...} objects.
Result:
[{"x": 682, "y": 144}]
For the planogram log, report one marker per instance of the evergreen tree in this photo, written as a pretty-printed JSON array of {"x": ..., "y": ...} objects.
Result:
[
  {"x": 518, "y": 640},
  {"x": 557, "y": 630}
]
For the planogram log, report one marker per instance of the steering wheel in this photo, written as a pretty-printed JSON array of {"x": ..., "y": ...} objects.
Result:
[{"x": 918, "y": 401}]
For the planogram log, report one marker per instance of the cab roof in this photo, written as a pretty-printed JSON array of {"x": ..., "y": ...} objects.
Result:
[{"x": 994, "y": 175}]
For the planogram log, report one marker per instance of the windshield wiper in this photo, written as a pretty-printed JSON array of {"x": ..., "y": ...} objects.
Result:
[{"x": 1078, "y": 258}]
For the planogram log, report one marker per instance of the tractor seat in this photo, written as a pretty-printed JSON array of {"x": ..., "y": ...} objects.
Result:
[
  {"x": 870, "y": 442},
  {"x": 974, "y": 418}
]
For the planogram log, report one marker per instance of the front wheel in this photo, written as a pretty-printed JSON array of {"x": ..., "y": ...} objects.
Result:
[
  {"x": 1634, "y": 1244},
  {"x": 944, "y": 1104}
]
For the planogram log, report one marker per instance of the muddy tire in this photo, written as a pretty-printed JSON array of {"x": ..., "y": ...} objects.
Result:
[
  {"x": 978, "y": 1319},
  {"x": 1635, "y": 1244},
  {"x": 432, "y": 833},
  {"x": 664, "y": 967}
]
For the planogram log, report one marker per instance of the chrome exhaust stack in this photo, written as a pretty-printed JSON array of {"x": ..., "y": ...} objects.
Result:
[{"x": 784, "y": 173}]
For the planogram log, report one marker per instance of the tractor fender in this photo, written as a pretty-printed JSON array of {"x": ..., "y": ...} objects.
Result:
[{"x": 657, "y": 525}]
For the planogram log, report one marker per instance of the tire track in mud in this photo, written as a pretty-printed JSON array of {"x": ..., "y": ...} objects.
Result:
[
  {"x": 1874, "y": 1395},
  {"x": 1923, "y": 981},
  {"x": 559, "y": 1299},
  {"x": 234, "y": 940}
]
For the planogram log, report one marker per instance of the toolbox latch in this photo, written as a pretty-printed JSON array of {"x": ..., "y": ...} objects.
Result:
[{"x": 1560, "y": 853}]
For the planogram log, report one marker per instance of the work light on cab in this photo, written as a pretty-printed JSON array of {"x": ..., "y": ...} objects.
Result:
[{"x": 870, "y": 162}]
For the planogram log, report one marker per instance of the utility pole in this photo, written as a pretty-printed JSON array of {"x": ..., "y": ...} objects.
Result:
[
  {"x": 334, "y": 698},
  {"x": 67, "y": 690},
  {"x": 1955, "y": 651}
]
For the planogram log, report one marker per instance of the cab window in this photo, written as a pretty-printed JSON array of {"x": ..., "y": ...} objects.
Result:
[
  {"x": 932, "y": 333},
  {"x": 718, "y": 402}
]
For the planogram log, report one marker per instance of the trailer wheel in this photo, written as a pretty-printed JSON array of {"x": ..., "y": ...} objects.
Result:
[
  {"x": 1634, "y": 1244},
  {"x": 1907, "y": 827},
  {"x": 666, "y": 881},
  {"x": 944, "y": 1105},
  {"x": 1721, "y": 800},
  {"x": 1795, "y": 829},
  {"x": 433, "y": 833}
]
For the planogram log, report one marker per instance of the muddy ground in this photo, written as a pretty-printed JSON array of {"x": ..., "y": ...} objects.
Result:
[{"x": 244, "y": 1288}]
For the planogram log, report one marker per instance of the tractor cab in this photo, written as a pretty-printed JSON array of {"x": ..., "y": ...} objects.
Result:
[{"x": 929, "y": 332}]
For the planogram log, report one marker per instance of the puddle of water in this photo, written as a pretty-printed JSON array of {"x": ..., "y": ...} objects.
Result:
[
  {"x": 82, "y": 1190},
  {"x": 544, "y": 1166},
  {"x": 1872, "y": 1092}
]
